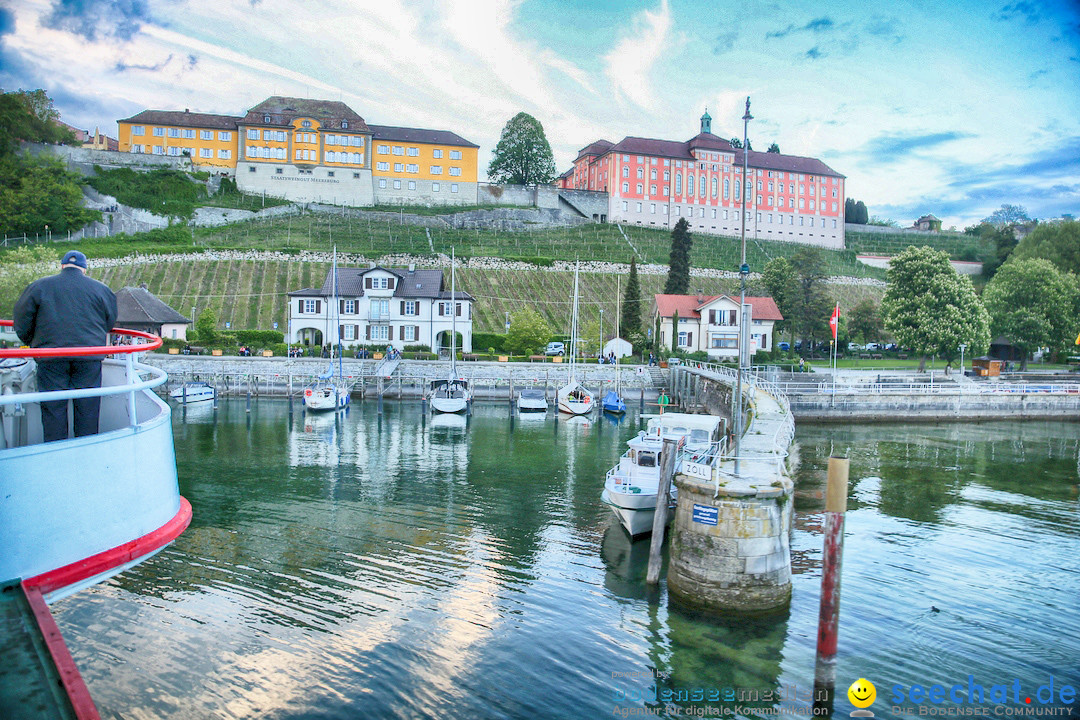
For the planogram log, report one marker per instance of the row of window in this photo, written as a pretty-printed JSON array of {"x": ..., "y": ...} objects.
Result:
[
  {"x": 639, "y": 207},
  {"x": 206, "y": 153},
  {"x": 414, "y": 151},
  {"x": 185, "y": 133},
  {"x": 267, "y": 135},
  {"x": 270, "y": 153},
  {"x": 350, "y": 140},
  {"x": 411, "y": 185},
  {"x": 380, "y": 309},
  {"x": 413, "y": 168}
]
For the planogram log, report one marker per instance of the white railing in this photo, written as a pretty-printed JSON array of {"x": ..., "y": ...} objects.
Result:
[{"x": 948, "y": 388}]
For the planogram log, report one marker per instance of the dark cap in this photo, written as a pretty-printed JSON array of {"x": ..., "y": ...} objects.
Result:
[{"x": 74, "y": 257}]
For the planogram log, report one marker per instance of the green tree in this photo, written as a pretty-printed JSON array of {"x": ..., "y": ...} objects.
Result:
[
  {"x": 678, "y": 279},
  {"x": 774, "y": 148},
  {"x": 1034, "y": 305},
  {"x": 1003, "y": 240},
  {"x": 523, "y": 155},
  {"x": 932, "y": 309},
  {"x": 1057, "y": 242},
  {"x": 206, "y": 331},
  {"x": 737, "y": 144},
  {"x": 864, "y": 321},
  {"x": 39, "y": 193},
  {"x": 782, "y": 283},
  {"x": 675, "y": 331},
  {"x": 1008, "y": 215},
  {"x": 528, "y": 334},
  {"x": 22, "y": 266},
  {"x": 630, "y": 322},
  {"x": 29, "y": 115},
  {"x": 810, "y": 306},
  {"x": 862, "y": 216}
]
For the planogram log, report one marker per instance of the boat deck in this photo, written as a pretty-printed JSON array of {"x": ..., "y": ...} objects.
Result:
[{"x": 31, "y": 684}]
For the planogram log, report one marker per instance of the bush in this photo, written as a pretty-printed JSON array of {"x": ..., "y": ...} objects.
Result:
[
  {"x": 494, "y": 341},
  {"x": 259, "y": 338},
  {"x": 418, "y": 349},
  {"x": 279, "y": 349},
  {"x": 167, "y": 343}
]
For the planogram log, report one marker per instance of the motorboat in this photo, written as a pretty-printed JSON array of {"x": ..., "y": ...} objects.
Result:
[
  {"x": 193, "y": 392},
  {"x": 532, "y": 400},
  {"x": 328, "y": 392},
  {"x": 453, "y": 394},
  {"x": 632, "y": 486},
  {"x": 77, "y": 511},
  {"x": 613, "y": 402},
  {"x": 574, "y": 398}
]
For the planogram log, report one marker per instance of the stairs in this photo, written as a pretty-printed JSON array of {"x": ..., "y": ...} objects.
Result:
[
  {"x": 657, "y": 377},
  {"x": 387, "y": 366}
]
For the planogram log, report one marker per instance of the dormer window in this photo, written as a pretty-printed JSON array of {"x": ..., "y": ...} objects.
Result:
[
  {"x": 306, "y": 123},
  {"x": 266, "y": 118},
  {"x": 344, "y": 124}
]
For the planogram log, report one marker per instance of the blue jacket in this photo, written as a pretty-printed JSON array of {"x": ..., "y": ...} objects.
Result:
[{"x": 68, "y": 309}]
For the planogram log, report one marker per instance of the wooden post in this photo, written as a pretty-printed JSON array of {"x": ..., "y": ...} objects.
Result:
[
  {"x": 829, "y": 613},
  {"x": 663, "y": 498}
]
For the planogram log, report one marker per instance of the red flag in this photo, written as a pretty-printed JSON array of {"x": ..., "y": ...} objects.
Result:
[{"x": 834, "y": 321}]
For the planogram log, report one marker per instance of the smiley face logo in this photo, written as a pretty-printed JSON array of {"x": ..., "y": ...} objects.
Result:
[{"x": 862, "y": 693}]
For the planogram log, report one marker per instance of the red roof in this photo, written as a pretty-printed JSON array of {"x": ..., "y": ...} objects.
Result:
[{"x": 762, "y": 308}]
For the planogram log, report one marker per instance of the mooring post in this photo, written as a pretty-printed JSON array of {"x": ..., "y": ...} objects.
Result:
[
  {"x": 510, "y": 391},
  {"x": 829, "y": 613},
  {"x": 249, "y": 399},
  {"x": 641, "y": 400},
  {"x": 379, "y": 389},
  {"x": 663, "y": 499}
]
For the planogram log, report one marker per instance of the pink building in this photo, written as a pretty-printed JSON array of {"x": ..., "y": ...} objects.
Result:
[{"x": 655, "y": 182}]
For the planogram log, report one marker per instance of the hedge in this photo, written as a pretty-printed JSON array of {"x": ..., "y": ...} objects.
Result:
[
  {"x": 259, "y": 338},
  {"x": 489, "y": 340}
]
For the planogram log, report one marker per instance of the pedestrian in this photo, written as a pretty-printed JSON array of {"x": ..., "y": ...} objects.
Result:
[
  {"x": 68, "y": 309},
  {"x": 802, "y": 365}
]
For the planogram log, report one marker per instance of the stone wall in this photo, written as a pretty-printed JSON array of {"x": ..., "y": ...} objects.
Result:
[{"x": 936, "y": 407}]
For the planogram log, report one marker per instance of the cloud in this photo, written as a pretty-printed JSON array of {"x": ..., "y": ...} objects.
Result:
[
  {"x": 885, "y": 27},
  {"x": 817, "y": 25},
  {"x": 1023, "y": 10},
  {"x": 628, "y": 65},
  {"x": 7, "y": 21},
  {"x": 821, "y": 24},
  {"x": 815, "y": 53},
  {"x": 891, "y": 148},
  {"x": 725, "y": 42},
  {"x": 89, "y": 18},
  {"x": 780, "y": 33}
]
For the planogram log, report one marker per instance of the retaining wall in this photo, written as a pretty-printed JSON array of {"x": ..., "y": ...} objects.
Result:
[{"x": 899, "y": 407}]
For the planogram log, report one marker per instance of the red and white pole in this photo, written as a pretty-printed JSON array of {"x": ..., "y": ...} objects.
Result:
[{"x": 829, "y": 614}]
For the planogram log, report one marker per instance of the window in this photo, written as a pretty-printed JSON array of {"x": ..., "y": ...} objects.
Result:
[
  {"x": 138, "y": 129},
  {"x": 412, "y": 184},
  {"x": 625, "y": 172},
  {"x": 652, "y": 208},
  {"x": 759, "y": 185},
  {"x": 224, "y": 135},
  {"x": 727, "y": 188},
  {"x": 625, "y": 205},
  {"x": 723, "y": 342},
  {"x": 174, "y": 151},
  {"x": 399, "y": 167},
  {"x": 408, "y": 332},
  {"x": 279, "y": 171},
  {"x": 309, "y": 306},
  {"x": 640, "y": 173},
  {"x": 350, "y": 332},
  {"x": 640, "y": 189},
  {"x": 251, "y": 169},
  {"x": 399, "y": 150},
  {"x": 725, "y": 214},
  {"x": 383, "y": 149},
  {"x": 382, "y": 183},
  {"x": 834, "y": 207},
  {"x": 453, "y": 187},
  {"x": 344, "y": 124},
  {"x": 253, "y": 134},
  {"x": 770, "y": 218},
  {"x": 626, "y": 187},
  {"x": 455, "y": 154},
  {"x": 397, "y": 184},
  {"x": 770, "y": 199},
  {"x": 689, "y": 184},
  {"x": 159, "y": 132},
  {"x": 206, "y": 134},
  {"x": 639, "y": 207},
  {"x": 436, "y": 153},
  {"x": 759, "y": 217},
  {"x": 356, "y": 176},
  {"x": 714, "y": 213},
  {"x": 206, "y": 152},
  {"x": 714, "y": 187},
  {"x": 412, "y": 168},
  {"x": 455, "y": 171},
  {"x": 678, "y": 183},
  {"x": 384, "y": 166},
  {"x": 137, "y": 149},
  {"x": 758, "y": 199},
  {"x": 330, "y": 173},
  {"x": 412, "y": 152},
  {"x": 652, "y": 189},
  {"x": 379, "y": 332},
  {"x": 684, "y": 339},
  {"x": 811, "y": 222},
  {"x": 434, "y": 187},
  {"x": 802, "y": 203},
  {"x": 350, "y": 307},
  {"x": 408, "y": 308},
  {"x": 652, "y": 173},
  {"x": 174, "y": 132}
]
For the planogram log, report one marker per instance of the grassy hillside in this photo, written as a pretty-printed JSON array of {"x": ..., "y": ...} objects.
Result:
[
  {"x": 958, "y": 245},
  {"x": 251, "y": 293}
]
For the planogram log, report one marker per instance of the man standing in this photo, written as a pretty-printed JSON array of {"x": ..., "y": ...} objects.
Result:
[{"x": 68, "y": 309}]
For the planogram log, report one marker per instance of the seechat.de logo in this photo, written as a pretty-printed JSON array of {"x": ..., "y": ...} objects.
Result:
[{"x": 862, "y": 694}]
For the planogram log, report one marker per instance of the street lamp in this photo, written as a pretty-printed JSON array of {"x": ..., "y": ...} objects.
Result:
[
  {"x": 744, "y": 272},
  {"x": 600, "y": 347},
  {"x": 963, "y": 347}
]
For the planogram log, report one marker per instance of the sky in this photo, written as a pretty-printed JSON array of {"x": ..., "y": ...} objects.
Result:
[{"x": 951, "y": 108}]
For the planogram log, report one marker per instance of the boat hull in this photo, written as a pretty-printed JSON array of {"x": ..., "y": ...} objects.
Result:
[
  {"x": 635, "y": 513},
  {"x": 449, "y": 405},
  {"x": 193, "y": 394},
  {"x": 531, "y": 405},
  {"x": 319, "y": 400}
]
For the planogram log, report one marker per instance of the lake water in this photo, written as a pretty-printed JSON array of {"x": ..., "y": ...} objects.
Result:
[{"x": 404, "y": 566}]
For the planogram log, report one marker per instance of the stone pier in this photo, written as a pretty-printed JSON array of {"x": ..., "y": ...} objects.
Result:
[{"x": 730, "y": 543}]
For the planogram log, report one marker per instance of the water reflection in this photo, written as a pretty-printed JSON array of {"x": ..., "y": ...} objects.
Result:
[{"x": 396, "y": 564}]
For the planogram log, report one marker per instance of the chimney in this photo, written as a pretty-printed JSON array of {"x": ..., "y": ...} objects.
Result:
[
  {"x": 700, "y": 296},
  {"x": 371, "y": 264},
  {"x": 412, "y": 267},
  {"x": 143, "y": 286},
  {"x": 187, "y": 110}
]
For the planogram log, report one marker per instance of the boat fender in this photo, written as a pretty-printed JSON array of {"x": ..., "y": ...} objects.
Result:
[{"x": 307, "y": 392}]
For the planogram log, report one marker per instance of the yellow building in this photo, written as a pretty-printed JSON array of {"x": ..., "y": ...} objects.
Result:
[
  {"x": 423, "y": 167},
  {"x": 313, "y": 151},
  {"x": 209, "y": 140}
]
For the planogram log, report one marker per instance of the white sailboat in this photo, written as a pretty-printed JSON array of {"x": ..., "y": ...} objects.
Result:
[
  {"x": 613, "y": 402},
  {"x": 328, "y": 392},
  {"x": 451, "y": 395},
  {"x": 573, "y": 398}
]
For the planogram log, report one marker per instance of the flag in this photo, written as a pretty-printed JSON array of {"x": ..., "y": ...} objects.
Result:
[
  {"x": 834, "y": 321},
  {"x": 1078, "y": 339}
]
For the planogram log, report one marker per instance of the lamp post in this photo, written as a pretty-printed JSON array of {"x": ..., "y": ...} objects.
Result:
[
  {"x": 744, "y": 272},
  {"x": 963, "y": 347},
  {"x": 600, "y": 347}
]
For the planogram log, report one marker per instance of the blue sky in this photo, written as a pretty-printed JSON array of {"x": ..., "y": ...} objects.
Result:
[{"x": 951, "y": 108}]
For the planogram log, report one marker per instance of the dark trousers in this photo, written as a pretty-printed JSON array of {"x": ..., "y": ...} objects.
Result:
[{"x": 69, "y": 375}]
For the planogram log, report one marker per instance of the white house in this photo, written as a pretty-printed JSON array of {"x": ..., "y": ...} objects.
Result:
[
  {"x": 381, "y": 306},
  {"x": 139, "y": 309},
  {"x": 711, "y": 323}
]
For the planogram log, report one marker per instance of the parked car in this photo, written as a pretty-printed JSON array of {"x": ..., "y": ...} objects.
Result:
[
  {"x": 854, "y": 347},
  {"x": 785, "y": 346},
  {"x": 555, "y": 348},
  {"x": 875, "y": 347}
]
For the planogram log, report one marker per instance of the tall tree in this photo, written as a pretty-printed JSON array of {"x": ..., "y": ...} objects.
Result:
[
  {"x": 737, "y": 144},
  {"x": 1034, "y": 305},
  {"x": 774, "y": 148},
  {"x": 29, "y": 115},
  {"x": 864, "y": 321},
  {"x": 849, "y": 210},
  {"x": 811, "y": 307},
  {"x": 630, "y": 322},
  {"x": 678, "y": 279},
  {"x": 523, "y": 155},
  {"x": 1057, "y": 242},
  {"x": 1003, "y": 240},
  {"x": 528, "y": 333},
  {"x": 675, "y": 331},
  {"x": 932, "y": 309},
  {"x": 781, "y": 283},
  {"x": 862, "y": 215},
  {"x": 1008, "y": 215}
]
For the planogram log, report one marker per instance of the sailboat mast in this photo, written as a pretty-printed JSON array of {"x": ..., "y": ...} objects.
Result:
[
  {"x": 337, "y": 323},
  {"x": 618, "y": 316},
  {"x": 573, "y": 327},
  {"x": 453, "y": 319}
]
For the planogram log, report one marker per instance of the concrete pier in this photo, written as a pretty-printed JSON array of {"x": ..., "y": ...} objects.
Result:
[{"x": 730, "y": 547}]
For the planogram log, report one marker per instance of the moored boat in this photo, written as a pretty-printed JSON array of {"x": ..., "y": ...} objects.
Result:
[
  {"x": 532, "y": 400},
  {"x": 193, "y": 392},
  {"x": 573, "y": 398},
  {"x": 453, "y": 394},
  {"x": 327, "y": 392}
]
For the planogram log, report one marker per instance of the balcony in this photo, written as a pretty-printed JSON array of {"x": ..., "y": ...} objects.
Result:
[{"x": 376, "y": 315}]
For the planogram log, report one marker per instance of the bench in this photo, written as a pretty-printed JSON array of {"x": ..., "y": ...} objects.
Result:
[
  {"x": 864, "y": 356},
  {"x": 877, "y": 356},
  {"x": 901, "y": 356},
  {"x": 538, "y": 358},
  {"x": 470, "y": 356}
]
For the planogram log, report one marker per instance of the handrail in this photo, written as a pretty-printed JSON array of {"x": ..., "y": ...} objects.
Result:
[
  {"x": 159, "y": 378},
  {"x": 153, "y": 344}
]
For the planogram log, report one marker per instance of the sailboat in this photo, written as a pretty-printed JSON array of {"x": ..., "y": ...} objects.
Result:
[
  {"x": 451, "y": 395},
  {"x": 613, "y": 402},
  {"x": 573, "y": 397},
  {"x": 328, "y": 393}
]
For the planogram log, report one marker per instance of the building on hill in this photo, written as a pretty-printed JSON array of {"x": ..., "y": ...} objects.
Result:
[
  {"x": 307, "y": 150},
  {"x": 928, "y": 223},
  {"x": 711, "y": 323},
  {"x": 423, "y": 167},
  {"x": 139, "y": 309},
  {"x": 654, "y": 183},
  {"x": 381, "y": 306}
]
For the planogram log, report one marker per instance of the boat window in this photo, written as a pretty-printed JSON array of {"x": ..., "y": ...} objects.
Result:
[
  {"x": 701, "y": 435},
  {"x": 646, "y": 459}
]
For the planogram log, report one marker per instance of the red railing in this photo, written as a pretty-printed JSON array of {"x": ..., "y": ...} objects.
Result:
[{"x": 153, "y": 343}]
